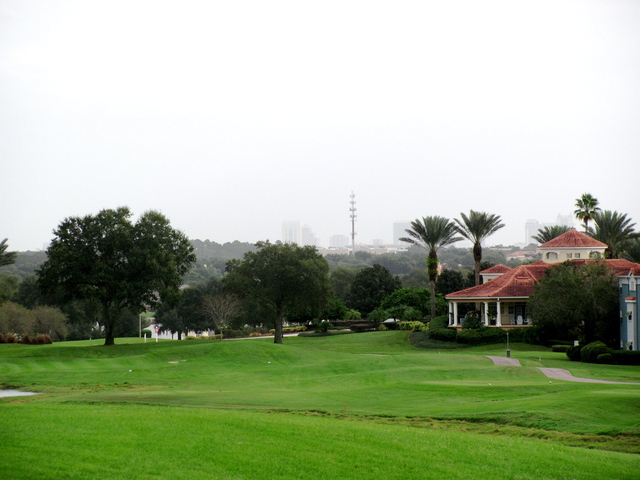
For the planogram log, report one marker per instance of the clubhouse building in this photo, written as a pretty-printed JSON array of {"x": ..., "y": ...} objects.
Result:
[{"x": 504, "y": 293}]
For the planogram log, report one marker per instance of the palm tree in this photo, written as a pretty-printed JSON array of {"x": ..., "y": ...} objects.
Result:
[
  {"x": 431, "y": 233},
  {"x": 614, "y": 229},
  {"x": 547, "y": 234},
  {"x": 6, "y": 258},
  {"x": 587, "y": 208},
  {"x": 476, "y": 228}
]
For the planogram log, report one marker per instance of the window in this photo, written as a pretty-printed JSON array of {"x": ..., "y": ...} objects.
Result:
[
  {"x": 569, "y": 255},
  {"x": 577, "y": 255},
  {"x": 552, "y": 256}
]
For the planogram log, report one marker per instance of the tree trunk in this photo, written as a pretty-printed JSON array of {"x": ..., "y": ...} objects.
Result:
[
  {"x": 477, "y": 258},
  {"x": 432, "y": 287},
  {"x": 277, "y": 338},
  {"x": 432, "y": 270},
  {"x": 109, "y": 326}
]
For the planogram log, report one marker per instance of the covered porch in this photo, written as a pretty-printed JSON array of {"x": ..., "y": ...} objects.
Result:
[{"x": 494, "y": 312}]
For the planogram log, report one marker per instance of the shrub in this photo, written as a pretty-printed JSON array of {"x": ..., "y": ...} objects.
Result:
[
  {"x": 574, "y": 353},
  {"x": 481, "y": 336},
  {"x": 414, "y": 326},
  {"x": 605, "y": 358},
  {"x": 323, "y": 326},
  {"x": 472, "y": 321},
  {"x": 147, "y": 332},
  {"x": 439, "y": 330},
  {"x": 626, "y": 357},
  {"x": 590, "y": 352},
  {"x": 26, "y": 339},
  {"x": 560, "y": 348},
  {"x": 2, "y": 338},
  {"x": 383, "y": 327}
]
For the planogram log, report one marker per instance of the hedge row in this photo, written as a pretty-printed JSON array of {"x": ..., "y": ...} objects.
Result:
[
  {"x": 39, "y": 339},
  {"x": 598, "y": 352}
]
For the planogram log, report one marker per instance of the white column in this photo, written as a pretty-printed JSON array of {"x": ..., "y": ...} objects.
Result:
[
  {"x": 498, "y": 317},
  {"x": 450, "y": 312},
  {"x": 455, "y": 313},
  {"x": 486, "y": 314}
]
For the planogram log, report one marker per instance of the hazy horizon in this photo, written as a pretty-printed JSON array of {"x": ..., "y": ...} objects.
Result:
[{"x": 232, "y": 117}]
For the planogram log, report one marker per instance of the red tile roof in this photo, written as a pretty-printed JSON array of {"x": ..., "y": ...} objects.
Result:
[
  {"x": 517, "y": 282},
  {"x": 520, "y": 281},
  {"x": 573, "y": 238},
  {"x": 497, "y": 269}
]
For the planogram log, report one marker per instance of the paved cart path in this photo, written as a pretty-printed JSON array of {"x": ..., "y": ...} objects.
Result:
[
  {"x": 504, "y": 361},
  {"x": 555, "y": 373},
  {"x": 562, "y": 374}
]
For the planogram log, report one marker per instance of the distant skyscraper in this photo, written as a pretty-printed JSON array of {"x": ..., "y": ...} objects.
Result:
[
  {"x": 399, "y": 231},
  {"x": 292, "y": 232},
  {"x": 338, "y": 241},
  {"x": 530, "y": 229},
  {"x": 295, "y": 232},
  {"x": 564, "y": 220},
  {"x": 308, "y": 237},
  {"x": 532, "y": 226}
]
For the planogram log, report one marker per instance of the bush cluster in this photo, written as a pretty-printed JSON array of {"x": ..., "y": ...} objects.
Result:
[
  {"x": 8, "y": 338},
  {"x": 414, "y": 326},
  {"x": 294, "y": 329},
  {"x": 439, "y": 330},
  {"x": 323, "y": 326},
  {"x": 40, "y": 339},
  {"x": 598, "y": 352},
  {"x": 589, "y": 353},
  {"x": 626, "y": 357},
  {"x": 560, "y": 348}
]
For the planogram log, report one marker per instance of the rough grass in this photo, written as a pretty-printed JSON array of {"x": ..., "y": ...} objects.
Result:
[{"x": 337, "y": 398}]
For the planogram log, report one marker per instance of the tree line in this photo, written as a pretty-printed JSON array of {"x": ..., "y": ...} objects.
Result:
[{"x": 103, "y": 270}]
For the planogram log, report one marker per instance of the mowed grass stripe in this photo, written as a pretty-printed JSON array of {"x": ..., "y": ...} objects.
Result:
[{"x": 146, "y": 442}]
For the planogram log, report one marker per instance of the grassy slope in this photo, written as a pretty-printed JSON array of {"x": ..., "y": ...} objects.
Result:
[{"x": 129, "y": 386}]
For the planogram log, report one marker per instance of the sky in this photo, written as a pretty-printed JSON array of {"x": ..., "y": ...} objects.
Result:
[{"x": 231, "y": 117}]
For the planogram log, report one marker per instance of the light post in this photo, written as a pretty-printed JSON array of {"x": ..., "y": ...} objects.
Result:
[{"x": 508, "y": 351}]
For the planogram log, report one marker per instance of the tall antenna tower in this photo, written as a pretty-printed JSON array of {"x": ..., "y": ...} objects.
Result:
[{"x": 353, "y": 222}]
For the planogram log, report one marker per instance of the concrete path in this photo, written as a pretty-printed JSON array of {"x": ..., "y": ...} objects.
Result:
[
  {"x": 504, "y": 361},
  {"x": 555, "y": 373},
  {"x": 562, "y": 374}
]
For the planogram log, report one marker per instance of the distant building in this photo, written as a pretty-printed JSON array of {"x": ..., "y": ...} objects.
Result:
[
  {"x": 399, "y": 231},
  {"x": 338, "y": 241},
  {"x": 532, "y": 226},
  {"x": 295, "y": 232},
  {"x": 308, "y": 237},
  {"x": 292, "y": 232}
]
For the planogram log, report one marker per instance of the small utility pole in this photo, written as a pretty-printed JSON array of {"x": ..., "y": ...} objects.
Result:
[{"x": 353, "y": 222}]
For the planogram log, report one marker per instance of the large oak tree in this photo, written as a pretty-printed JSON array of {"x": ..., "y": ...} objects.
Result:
[
  {"x": 107, "y": 259},
  {"x": 286, "y": 277}
]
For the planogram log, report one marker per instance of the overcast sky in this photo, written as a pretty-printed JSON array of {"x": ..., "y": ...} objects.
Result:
[{"x": 231, "y": 117}]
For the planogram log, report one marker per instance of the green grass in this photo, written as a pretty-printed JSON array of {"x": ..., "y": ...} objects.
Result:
[{"x": 348, "y": 406}]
